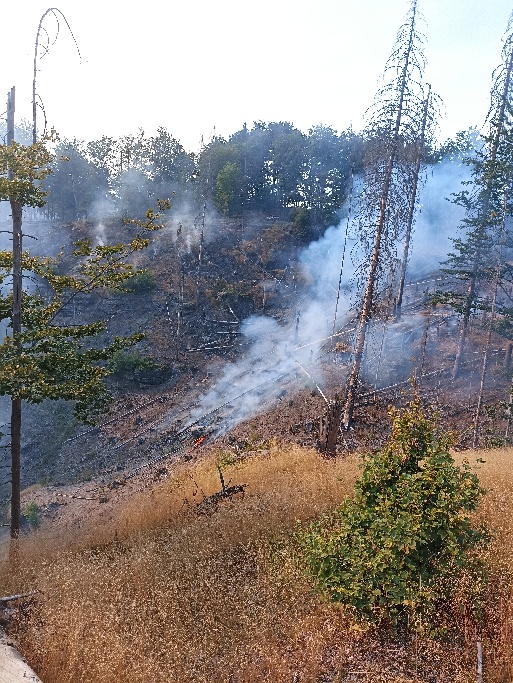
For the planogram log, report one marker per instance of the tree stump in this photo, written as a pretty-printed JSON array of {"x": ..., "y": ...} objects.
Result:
[{"x": 329, "y": 426}]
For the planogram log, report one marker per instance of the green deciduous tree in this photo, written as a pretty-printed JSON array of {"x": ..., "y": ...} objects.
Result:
[
  {"x": 75, "y": 183},
  {"x": 394, "y": 551},
  {"x": 45, "y": 357},
  {"x": 228, "y": 188},
  {"x": 388, "y": 195}
]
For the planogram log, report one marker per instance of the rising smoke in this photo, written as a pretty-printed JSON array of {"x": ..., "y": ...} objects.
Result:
[{"x": 273, "y": 350}]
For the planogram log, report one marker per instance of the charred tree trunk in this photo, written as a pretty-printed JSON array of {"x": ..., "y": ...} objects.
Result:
[
  {"x": 411, "y": 208},
  {"x": 329, "y": 428},
  {"x": 366, "y": 312}
]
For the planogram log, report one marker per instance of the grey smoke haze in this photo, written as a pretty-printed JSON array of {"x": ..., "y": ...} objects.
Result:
[
  {"x": 438, "y": 218},
  {"x": 271, "y": 353},
  {"x": 273, "y": 348}
]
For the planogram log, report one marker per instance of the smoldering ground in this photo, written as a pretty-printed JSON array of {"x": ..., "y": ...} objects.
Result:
[{"x": 325, "y": 302}]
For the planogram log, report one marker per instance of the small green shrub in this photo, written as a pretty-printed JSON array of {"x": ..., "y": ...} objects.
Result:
[
  {"x": 124, "y": 361},
  {"x": 141, "y": 281},
  {"x": 392, "y": 554},
  {"x": 227, "y": 459},
  {"x": 32, "y": 513}
]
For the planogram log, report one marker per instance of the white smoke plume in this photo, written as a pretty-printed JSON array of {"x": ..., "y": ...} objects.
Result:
[{"x": 272, "y": 349}]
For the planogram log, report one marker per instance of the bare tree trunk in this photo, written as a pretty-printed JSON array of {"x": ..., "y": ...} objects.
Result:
[
  {"x": 16, "y": 209},
  {"x": 329, "y": 427},
  {"x": 384, "y": 195},
  {"x": 15, "y": 467},
  {"x": 17, "y": 277},
  {"x": 490, "y": 328},
  {"x": 423, "y": 344},
  {"x": 371, "y": 279},
  {"x": 471, "y": 292},
  {"x": 507, "y": 360},
  {"x": 411, "y": 208},
  {"x": 348, "y": 222}
]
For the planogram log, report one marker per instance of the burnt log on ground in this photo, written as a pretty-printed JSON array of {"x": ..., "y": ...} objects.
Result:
[{"x": 209, "y": 504}]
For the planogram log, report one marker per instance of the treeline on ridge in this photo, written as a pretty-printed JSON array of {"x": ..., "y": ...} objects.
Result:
[{"x": 272, "y": 168}]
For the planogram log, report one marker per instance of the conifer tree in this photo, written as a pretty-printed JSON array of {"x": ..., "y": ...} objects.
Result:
[{"x": 473, "y": 259}]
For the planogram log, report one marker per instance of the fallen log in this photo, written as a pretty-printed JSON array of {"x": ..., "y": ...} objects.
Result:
[
  {"x": 209, "y": 504},
  {"x": 19, "y": 596}
]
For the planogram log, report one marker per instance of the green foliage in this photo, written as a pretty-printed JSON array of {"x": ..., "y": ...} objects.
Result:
[
  {"x": 142, "y": 281},
  {"x": 50, "y": 359},
  {"x": 32, "y": 514},
  {"x": 124, "y": 361},
  {"x": 274, "y": 167},
  {"x": 27, "y": 164},
  {"x": 478, "y": 257},
  {"x": 302, "y": 224},
  {"x": 75, "y": 183},
  {"x": 391, "y": 553},
  {"x": 228, "y": 185}
]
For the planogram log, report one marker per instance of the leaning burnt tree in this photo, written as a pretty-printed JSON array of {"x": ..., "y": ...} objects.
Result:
[
  {"x": 473, "y": 258},
  {"x": 390, "y": 177},
  {"x": 419, "y": 153}
]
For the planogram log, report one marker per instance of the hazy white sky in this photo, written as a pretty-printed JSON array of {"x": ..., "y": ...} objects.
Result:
[{"x": 195, "y": 65}]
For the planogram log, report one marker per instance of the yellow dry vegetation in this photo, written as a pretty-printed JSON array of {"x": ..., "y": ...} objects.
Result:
[{"x": 179, "y": 596}]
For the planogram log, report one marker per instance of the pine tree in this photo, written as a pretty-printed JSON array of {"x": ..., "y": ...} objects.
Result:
[{"x": 473, "y": 259}]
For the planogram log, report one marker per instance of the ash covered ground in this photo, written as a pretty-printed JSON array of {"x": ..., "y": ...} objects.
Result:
[{"x": 245, "y": 344}]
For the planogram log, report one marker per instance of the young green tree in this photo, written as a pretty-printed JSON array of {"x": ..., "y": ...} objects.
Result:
[
  {"x": 45, "y": 357},
  {"x": 393, "y": 552},
  {"x": 228, "y": 189}
]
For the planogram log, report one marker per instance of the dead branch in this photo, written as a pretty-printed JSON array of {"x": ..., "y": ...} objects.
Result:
[
  {"x": 19, "y": 596},
  {"x": 209, "y": 504}
]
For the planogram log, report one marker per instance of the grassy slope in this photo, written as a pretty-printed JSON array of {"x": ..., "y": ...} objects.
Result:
[{"x": 183, "y": 597}]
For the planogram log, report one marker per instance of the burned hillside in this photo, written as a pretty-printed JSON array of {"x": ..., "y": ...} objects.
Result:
[{"x": 241, "y": 345}]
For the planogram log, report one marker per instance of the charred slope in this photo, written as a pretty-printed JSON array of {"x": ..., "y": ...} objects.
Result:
[{"x": 201, "y": 285}]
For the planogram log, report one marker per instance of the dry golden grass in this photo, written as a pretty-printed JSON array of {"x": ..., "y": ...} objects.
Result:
[{"x": 182, "y": 597}]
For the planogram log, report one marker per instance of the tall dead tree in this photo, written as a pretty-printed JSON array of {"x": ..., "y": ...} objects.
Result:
[
  {"x": 472, "y": 259},
  {"x": 420, "y": 155},
  {"x": 393, "y": 132},
  {"x": 17, "y": 283},
  {"x": 491, "y": 323},
  {"x": 43, "y": 47}
]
